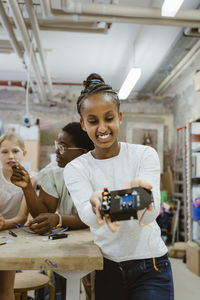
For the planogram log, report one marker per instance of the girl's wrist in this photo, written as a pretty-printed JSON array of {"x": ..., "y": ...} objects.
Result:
[
  {"x": 28, "y": 186},
  {"x": 2, "y": 227}
]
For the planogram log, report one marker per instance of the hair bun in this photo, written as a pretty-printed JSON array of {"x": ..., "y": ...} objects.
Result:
[{"x": 93, "y": 79}]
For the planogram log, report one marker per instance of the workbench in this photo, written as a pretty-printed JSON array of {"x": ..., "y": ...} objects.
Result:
[{"x": 72, "y": 257}]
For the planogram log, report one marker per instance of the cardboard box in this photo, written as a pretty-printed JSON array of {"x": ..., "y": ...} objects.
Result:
[
  {"x": 193, "y": 258},
  {"x": 195, "y": 146},
  {"x": 195, "y": 128},
  {"x": 178, "y": 250}
]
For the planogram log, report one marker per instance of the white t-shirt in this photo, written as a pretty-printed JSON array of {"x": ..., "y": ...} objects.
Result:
[
  {"x": 52, "y": 182},
  {"x": 10, "y": 197},
  {"x": 85, "y": 174}
]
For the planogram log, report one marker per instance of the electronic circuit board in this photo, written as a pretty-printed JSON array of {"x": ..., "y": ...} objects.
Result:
[{"x": 124, "y": 204}]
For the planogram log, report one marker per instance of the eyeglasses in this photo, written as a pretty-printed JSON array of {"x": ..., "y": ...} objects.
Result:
[{"x": 63, "y": 148}]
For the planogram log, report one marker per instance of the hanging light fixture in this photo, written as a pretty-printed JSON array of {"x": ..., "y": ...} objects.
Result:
[
  {"x": 171, "y": 7},
  {"x": 130, "y": 81}
]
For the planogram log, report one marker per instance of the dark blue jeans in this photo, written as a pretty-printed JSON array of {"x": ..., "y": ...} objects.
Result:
[{"x": 135, "y": 280}]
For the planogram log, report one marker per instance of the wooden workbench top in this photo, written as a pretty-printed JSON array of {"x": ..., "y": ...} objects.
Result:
[{"x": 33, "y": 252}]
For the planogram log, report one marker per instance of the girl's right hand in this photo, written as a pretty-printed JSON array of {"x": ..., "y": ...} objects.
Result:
[
  {"x": 2, "y": 222},
  {"x": 95, "y": 201},
  {"x": 20, "y": 176}
]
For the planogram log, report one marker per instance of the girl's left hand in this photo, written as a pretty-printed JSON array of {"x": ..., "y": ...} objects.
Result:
[
  {"x": 95, "y": 201},
  {"x": 2, "y": 222},
  {"x": 138, "y": 182}
]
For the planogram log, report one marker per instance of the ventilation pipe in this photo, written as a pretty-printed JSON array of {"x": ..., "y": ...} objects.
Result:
[
  {"x": 17, "y": 16},
  {"x": 46, "y": 9},
  {"x": 79, "y": 23},
  {"x": 6, "y": 24},
  {"x": 79, "y": 27},
  {"x": 70, "y": 6},
  {"x": 23, "y": 84},
  {"x": 56, "y": 25},
  {"x": 109, "y": 13},
  {"x": 179, "y": 68},
  {"x": 36, "y": 32}
]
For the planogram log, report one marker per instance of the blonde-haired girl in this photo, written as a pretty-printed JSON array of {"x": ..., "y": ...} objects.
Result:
[{"x": 12, "y": 202}]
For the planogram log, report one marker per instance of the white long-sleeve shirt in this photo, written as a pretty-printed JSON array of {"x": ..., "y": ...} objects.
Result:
[{"x": 86, "y": 174}]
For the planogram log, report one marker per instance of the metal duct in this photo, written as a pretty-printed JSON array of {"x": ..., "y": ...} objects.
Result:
[
  {"x": 36, "y": 32},
  {"x": 70, "y": 6},
  {"x": 179, "y": 68},
  {"x": 109, "y": 13},
  {"x": 17, "y": 16},
  {"x": 24, "y": 83},
  {"x": 8, "y": 28}
]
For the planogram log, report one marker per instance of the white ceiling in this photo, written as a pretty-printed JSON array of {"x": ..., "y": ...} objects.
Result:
[{"x": 71, "y": 56}]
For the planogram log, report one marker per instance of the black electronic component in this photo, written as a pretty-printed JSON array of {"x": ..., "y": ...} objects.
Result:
[
  {"x": 58, "y": 236},
  {"x": 12, "y": 233},
  {"x": 124, "y": 204},
  {"x": 3, "y": 243}
]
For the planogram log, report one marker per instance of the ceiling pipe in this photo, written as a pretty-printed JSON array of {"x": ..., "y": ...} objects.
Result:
[
  {"x": 24, "y": 83},
  {"x": 60, "y": 15},
  {"x": 75, "y": 29},
  {"x": 70, "y": 6},
  {"x": 17, "y": 16},
  {"x": 8, "y": 28},
  {"x": 56, "y": 25},
  {"x": 13, "y": 83},
  {"x": 46, "y": 8},
  {"x": 178, "y": 69},
  {"x": 69, "y": 28},
  {"x": 36, "y": 32},
  {"x": 6, "y": 46},
  {"x": 107, "y": 19},
  {"x": 51, "y": 24}
]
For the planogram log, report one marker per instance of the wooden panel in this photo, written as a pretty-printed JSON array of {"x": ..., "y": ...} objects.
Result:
[{"x": 33, "y": 252}]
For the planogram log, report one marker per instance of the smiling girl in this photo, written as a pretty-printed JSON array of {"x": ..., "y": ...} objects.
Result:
[
  {"x": 136, "y": 264},
  {"x": 12, "y": 203}
]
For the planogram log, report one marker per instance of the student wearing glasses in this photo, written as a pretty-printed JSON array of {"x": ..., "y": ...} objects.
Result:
[{"x": 54, "y": 207}]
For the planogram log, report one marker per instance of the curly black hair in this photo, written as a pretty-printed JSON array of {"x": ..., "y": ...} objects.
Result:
[
  {"x": 79, "y": 137},
  {"x": 95, "y": 84}
]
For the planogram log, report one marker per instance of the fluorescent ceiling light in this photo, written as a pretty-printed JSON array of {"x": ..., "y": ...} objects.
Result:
[
  {"x": 170, "y": 7},
  {"x": 129, "y": 83}
]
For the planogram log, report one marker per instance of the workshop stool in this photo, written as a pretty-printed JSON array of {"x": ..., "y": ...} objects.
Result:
[{"x": 28, "y": 281}]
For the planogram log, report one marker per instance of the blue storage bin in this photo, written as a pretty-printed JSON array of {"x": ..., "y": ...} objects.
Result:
[{"x": 196, "y": 209}]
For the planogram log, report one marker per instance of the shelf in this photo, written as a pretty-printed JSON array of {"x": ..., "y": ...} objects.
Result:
[
  {"x": 195, "y": 180},
  {"x": 192, "y": 169},
  {"x": 178, "y": 195},
  {"x": 178, "y": 182}
]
